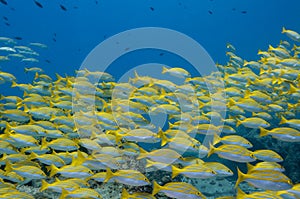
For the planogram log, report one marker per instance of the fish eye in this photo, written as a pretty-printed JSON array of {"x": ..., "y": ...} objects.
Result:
[{"x": 229, "y": 171}]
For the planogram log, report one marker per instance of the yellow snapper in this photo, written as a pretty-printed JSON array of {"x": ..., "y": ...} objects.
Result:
[
  {"x": 233, "y": 152},
  {"x": 70, "y": 171},
  {"x": 178, "y": 190},
  {"x": 15, "y": 115},
  {"x": 17, "y": 195},
  {"x": 220, "y": 169},
  {"x": 255, "y": 195},
  {"x": 138, "y": 135},
  {"x": 265, "y": 179},
  {"x": 128, "y": 177},
  {"x": 232, "y": 139},
  {"x": 177, "y": 72},
  {"x": 291, "y": 34},
  {"x": 265, "y": 166},
  {"x": 267, "y": 155},
  {"x": 253, "y": 122},
  {"x": 58, "y": 186},
  {"x": 153, "y": 166},
  {"x": 282, "y": 133},
  {"x": 160, "y": 155},
  {"x": 136, "y": 195},
  {"x": 62, "y": 144},
  {"x": 194, "y": 171},
  {"x": 295, "y": 123},
  {"x": 48, "y": 159},
  {"x": 80, "y": 193},
  {"x": 30, "y": 172}
]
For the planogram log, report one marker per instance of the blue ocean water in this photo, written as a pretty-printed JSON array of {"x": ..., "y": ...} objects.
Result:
[
  {"x": 72, "y": 29},
  {"x": 72, "y": 33}
]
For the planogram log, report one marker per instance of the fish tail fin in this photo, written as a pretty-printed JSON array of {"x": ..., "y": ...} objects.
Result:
[
  {"x": 44, "y": 185},
  {"x": 13, "y": 84},
  {"x": 156, "y": 188},
  {"x": 283, "y": 30},
  {"x": 238, "y": 122},
  {"x": 143, "y": 154},
  {"x": 109, "y": 175},
  {"x": 271, "y": 47},
  {"x": 241, "y": 177},
  {"x": 249, "y": 166},
  {"x": 26, "y": 109},
  {"x": 249, "y": 83},
  {"x": 240, "y": 194},
  {"x": 263, "y": 132},
  {"x": 125, "y": 193},
  {"x": 58, "y": 77},
  {"x": 231, "y": 102},
  {"x": 33, "y": 155},
  {"x": 212, "y": 149},
  {"x": 64, "y": 193},
  {"x": 118, "y": 137},
  {"x": 36, "y": 75},
  {"x": 53, "y": 170},
  {"x": 8, "y": 168},
  {"x": 216, "y": 139},
  {"x": 44, "y": 143},
  {"x": 149, "y": 163},
  {"x": 283, "y": 120},
  {"x": 80, "y": 157},
  {"x": 175, "y": 171},
  {"x": 164, "y": 70},
  {"x": 247, "y": 92},
  {"x": 292, "y": 89},
  {"x": 291, "y": 106},
  {"x": 26, "y": 70},
  {"x": 164, "y": 139},
  {"x": 7, "y": 129}
]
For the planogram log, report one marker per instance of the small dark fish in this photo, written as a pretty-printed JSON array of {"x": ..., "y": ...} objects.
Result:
[
  {"x": 38, "y": 4},
  {"x": 3, "y": 2},
  {"x": 233, "y": 9},
  {"x": 48, "y": 61},
  {"x": 161, "y": 54},
  {"x": 63, "y": 7},
  {"x": 96, "y": 2},
  {"x": 210, "y": 12},
  {"x": 152, "y": 9},
  {"x": 7, "y": 24},
  {"x": 5, "y": 18},
  {"x": 54, "y": 39},
  {"x": 18, "y": 38},
  {"x": 244, "y": 12},
  {"x": 126, "y": 49},
  {"x": 54, "y": 34},
  {"x": 12, "y": 9}
]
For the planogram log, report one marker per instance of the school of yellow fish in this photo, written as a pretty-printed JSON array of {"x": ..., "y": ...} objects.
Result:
[{"x": 69, "y": 132}]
